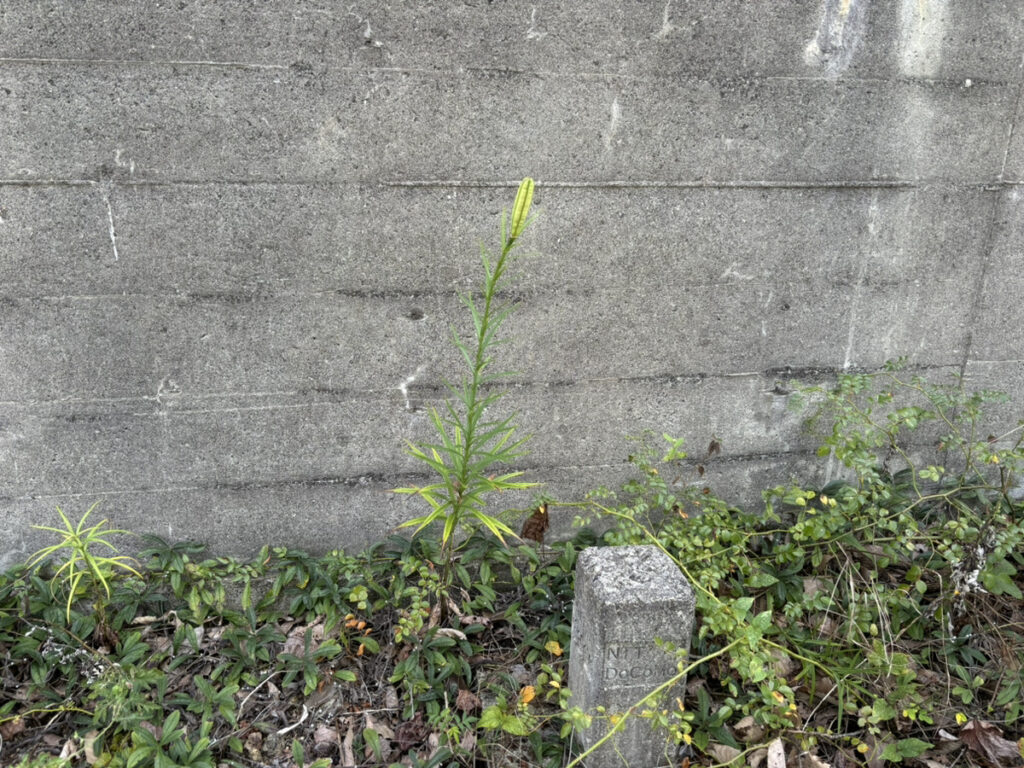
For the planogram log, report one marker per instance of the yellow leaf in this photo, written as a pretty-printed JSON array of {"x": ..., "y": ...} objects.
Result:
[
  {"x": 552, "y": 647},
  {"x": 527, "y": 694}
]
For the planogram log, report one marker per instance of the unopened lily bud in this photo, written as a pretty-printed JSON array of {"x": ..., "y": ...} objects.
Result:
[{"x": 521, "y": 208}]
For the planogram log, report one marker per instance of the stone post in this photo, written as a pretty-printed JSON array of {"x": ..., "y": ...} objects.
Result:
[{"x": 625, "y": 598}]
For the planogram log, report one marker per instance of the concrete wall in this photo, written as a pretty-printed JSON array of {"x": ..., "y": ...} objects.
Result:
[{"x": 230, "y": 234}]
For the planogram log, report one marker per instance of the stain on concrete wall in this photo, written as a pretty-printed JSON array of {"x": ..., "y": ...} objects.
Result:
[
  {"x": 842, "y": 27},
  {"x": 231, "y": 236}
]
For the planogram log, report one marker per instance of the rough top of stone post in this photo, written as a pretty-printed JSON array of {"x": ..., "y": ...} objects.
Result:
[{"x": 634, "y": 574}]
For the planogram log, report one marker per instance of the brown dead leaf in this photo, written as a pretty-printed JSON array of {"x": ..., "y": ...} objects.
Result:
[
  {"x": 383, "y": 729},
  {"x": 433, "y": 744},
  {"x": 454, "y": 634},
  {"x": 468, "y": 742},
  {"x": 296, "y": 642},
  {"x": 435, "y": 617},
  {"x": 89, "y": 746},
  {"x": 254, "y": 746},
  {"x": 11, "y": 728},
  {"x": 748, "y": 731},
  {"x": 411, "y": 732},
  {"x": 325, "y": 740},
  {"x": 810, "y": 760},
  {"x": 813, "y": 586},
  {"x": 783, "y": 664},
  {"x": 986, "y": 739},
  {"x": 776, "y": 754},
  {"x": 756, "y": 758},
  {"x": 467, "y": 701},
  {"x": 68, "y": 750},
  {"x": 348, "y": 757},
  {"x": 153, "y": 729},
  {"x": 723, "y": 753},
  {"x": 391, "y": 697},
  {"x": 876, "y": 746}
]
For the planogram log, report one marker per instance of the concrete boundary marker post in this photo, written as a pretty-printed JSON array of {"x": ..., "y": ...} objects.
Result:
[{"x": 626, "y": 598}]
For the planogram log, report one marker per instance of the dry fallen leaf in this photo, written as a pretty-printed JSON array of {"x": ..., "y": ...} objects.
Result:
[
  {"x": 433, "y": 744},
  {"x": 987, "y": 740},
  {"x": 383, "y": 729},
  {"x": 467, "y": 701},
  {"x": 348, "y": 757},
  {"x": 723, "y": 753},
  {"x": 810, "y": 760},
  {"x": 325, "y": 740},
  {"x": 813, "y": 586},
  {"x": 89, "y": 746},
  {"x": 454, "y": 634},
  {"x": 11, "y": 728},
  {"x": 296, "y": 642},
  {"x": 776, "y": 754},
  {"x": 68, "y": 750},
  {"x": 253, "y": 746},
  {"x": 748, "y": 731},
  {"x": 782, "y": 664}
]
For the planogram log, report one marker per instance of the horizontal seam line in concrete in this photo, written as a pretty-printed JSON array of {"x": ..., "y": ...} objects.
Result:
[
  {"x": 438, "y": 293},
  {"x": 987, "y": 185},
  {"x": 812, "y": 373},
  {"x": 374, "y": 480},
  {"x": 673, "y": 76},
  {"x": 71, "y": 61}
]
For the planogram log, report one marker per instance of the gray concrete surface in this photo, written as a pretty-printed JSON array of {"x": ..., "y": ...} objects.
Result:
[{"x": 230, "y": 237}]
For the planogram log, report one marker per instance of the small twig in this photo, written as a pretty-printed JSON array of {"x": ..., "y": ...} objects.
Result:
[
  {"x": 293, "y": 726},
  {"x": 267, "y": 679}
]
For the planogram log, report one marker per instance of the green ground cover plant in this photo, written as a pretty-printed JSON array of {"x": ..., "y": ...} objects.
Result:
[{"x": 874, "y": 619}]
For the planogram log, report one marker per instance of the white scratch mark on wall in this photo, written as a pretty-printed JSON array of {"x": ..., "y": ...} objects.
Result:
[
  {"x": 167, "y": 390},
  {"x": 858, "y": 285},
  {"x": 838, "y": 37},
  {"x": 110, "y": 223},
  {"x": 368, "y": 32},
  {"x": 532, "y": 33},
  {"x": 667, "y": 27},
  {"x": 922, "y": 28},
  {"x": 120, "y": 163},
  {"x": 613, "y": 124},
  {"x": 730, "y": 271},
  {"x": 404, "y": 386}
]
